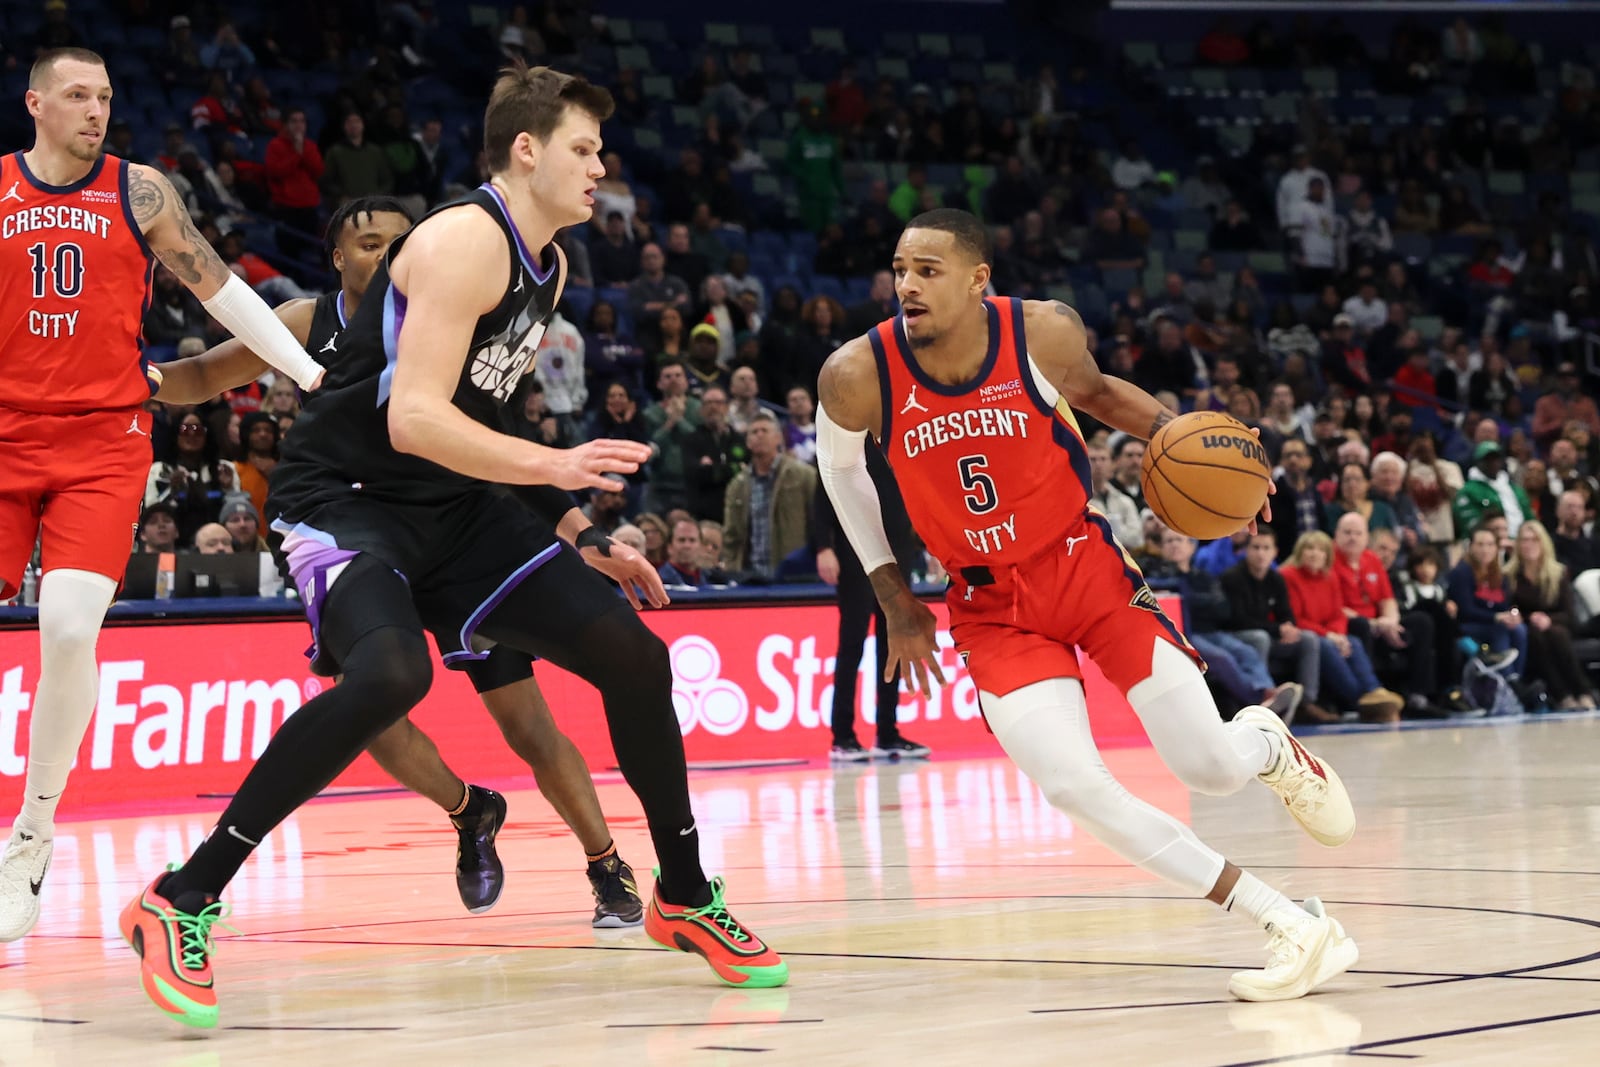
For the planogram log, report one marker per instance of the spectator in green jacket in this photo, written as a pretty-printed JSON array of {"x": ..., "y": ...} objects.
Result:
[
  {"x": 1489, "y": 486},
  {"x": 817, "y": 170}
]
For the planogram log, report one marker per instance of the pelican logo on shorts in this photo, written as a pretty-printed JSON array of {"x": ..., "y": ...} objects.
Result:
[
  {"x": 1145, "y": 599},
  {"x": 1249, "y": 446}
]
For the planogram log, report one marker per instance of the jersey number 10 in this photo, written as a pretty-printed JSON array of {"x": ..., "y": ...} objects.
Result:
[{"x": 66, "y": 270}]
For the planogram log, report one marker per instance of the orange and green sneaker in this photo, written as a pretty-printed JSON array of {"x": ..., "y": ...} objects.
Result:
[
  {"x": 175, "y": 950},
  {"x": 736, "y": 955}
]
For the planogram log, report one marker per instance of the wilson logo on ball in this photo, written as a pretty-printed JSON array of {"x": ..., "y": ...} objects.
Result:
[{"x": 1250, "y": 447}]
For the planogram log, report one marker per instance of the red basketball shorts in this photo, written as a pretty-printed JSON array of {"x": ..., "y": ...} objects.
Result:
[
  {"x": 75, "y": 483},
  {"x": 1085, "y": 594}
]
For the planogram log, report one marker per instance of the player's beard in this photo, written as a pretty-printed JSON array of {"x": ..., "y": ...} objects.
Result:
[
  {"x": 87, "y": 153},
  {"x": 921, "y": 340}
]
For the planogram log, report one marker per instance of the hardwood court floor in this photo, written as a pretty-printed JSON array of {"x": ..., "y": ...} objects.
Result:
[{"x": 932, "y": 914}]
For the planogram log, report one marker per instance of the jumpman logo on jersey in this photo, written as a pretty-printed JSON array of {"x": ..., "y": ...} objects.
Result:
[
  {"x": 331, "y": 346},
  {"x": 518, "y": 289},
  {"x": 12, "y": 194},
  {"x": 1072, "y": 542},
  {"x": 912, "y": 403},
  {"x": 133, "y": 427}
]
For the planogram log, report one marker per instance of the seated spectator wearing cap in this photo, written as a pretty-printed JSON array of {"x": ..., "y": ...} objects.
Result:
[
  {"x": 243, "y": 524},
  {"x": 705, "y": 371},
  {"x": 1562, "y": 404},
  {"x": 213, "y": 539},
  {"x": 158, "y": 528},
  {"x": 1489, "y": 486}
]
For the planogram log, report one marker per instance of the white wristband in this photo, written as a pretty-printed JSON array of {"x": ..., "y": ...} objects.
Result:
[
  {"x": 842, "y": 462},
  {"x": 248, "y": 317}
]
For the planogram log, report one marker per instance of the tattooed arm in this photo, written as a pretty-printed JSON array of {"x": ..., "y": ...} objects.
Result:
[
  {"x": 1058, "y": 344},
  {"x": 171, "y": 233},
  {"x": 172, "y": 236}
]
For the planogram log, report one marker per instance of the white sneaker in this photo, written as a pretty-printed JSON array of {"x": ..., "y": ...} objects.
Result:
[
  {"x": 1309, "y": 787},
  {"x": 22, "y": 871},
  {"x": 1307, "y": 949}
]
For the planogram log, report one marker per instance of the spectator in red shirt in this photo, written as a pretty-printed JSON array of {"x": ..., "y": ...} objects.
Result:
[
  {"x": 1404, "y": 644},
  {"x": 218, "y": 112},
  {"x": 1487, "y": 270},
  {"x": 846, "y": 100},
  {"x": 294, "y": 175},
  {"x": 1314, "y": 598},
  {"x": 1414, "y": 381}
]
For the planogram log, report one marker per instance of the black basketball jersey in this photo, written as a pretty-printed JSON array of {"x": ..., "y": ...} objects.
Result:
[
  {"x": 340, "y": 444},
  {"x": 327, "y": 323}
]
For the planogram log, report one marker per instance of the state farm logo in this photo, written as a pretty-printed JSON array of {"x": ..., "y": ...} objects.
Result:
[
  {"x": 159, "y": 724},
  {"x": 699, "y": 694},
  {"x": 790, "y": 683}
]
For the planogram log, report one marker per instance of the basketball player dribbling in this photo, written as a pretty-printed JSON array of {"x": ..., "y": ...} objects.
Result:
[
  {"x": 359, "y": 234},
  {"x": 387, "y": 486},
  {"x": 996, "y": 478},
  {"x": 78, "y": 231}
]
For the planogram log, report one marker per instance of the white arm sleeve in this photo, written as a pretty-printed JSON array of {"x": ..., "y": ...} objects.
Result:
[
  {"x": 248, "y": 317},
  {"x": 842, "y": 462}
]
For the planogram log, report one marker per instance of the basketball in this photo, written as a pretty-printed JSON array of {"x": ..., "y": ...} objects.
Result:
[{"x": 1205, "y": 474}]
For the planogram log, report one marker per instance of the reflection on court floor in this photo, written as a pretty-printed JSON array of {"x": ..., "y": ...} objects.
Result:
[{"x": 934, "y": 913}]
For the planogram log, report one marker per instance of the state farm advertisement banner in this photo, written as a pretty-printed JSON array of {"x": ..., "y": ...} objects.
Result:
[{"x": 184, "y": 708}]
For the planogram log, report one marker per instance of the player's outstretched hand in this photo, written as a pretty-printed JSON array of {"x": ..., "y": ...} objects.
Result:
[
  {"x": 591, "y": 466},
  {"x": 632, "y": 571},
  {"x": 913, "y": 645}
]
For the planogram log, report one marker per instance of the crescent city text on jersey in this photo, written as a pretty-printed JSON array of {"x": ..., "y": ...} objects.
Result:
[
  {"x": 961, "y": 425},
  {"x": 54, "y": 217}
]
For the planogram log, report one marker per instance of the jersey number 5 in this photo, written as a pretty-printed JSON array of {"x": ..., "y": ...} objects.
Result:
[
  {"x": 980, "y": 493},
  {"x": 66, "y": 270}
]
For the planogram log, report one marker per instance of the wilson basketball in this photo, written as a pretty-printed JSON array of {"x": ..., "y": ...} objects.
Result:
[{"x": 1205, "y": 474}]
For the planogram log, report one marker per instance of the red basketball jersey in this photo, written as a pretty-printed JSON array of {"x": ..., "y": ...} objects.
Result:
[
  {"x": 994, "y": 471},
  {"x": 74, "y": 285}
]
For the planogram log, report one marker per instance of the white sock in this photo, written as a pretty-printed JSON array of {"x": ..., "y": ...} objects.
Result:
[
  {"x": 1274, "y": 748},
  {"x": 1254, "y": 898},
  {"x": 72, "y": 605}
]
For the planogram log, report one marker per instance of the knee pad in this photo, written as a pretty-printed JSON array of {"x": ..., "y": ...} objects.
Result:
[
  {"x": 1183, "y": 722},
  {"x": 72, "y": 606}
]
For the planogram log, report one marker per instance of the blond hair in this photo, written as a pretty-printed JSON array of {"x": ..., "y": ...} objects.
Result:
[
  {"x": 1546, "y": 577},
  {"x": 1312, "y": 539}
]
